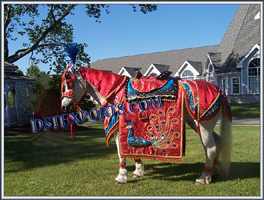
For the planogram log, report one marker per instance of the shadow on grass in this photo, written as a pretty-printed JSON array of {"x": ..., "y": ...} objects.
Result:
[
  {"x": 190, "y": 172},
  {"x": 49, "y": 148}
]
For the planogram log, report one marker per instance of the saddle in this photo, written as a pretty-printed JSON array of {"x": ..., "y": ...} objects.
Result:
[{"x": 144, "y": 87}]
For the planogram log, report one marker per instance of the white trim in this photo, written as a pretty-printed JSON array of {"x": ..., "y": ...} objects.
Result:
[
  {"x": 248, "y": 92},
  {"x": 185, "y": 65},
  {"x": 152, "y": 69},
  {"x": 257, "y": 16},
  {"x": 240, "y": 64},
  {"x": 121, "y": 71}
]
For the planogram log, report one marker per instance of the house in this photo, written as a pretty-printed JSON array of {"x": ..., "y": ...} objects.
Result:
[
  {"x": 17, "y": 96},
  {"x": 233, "y": 65}
]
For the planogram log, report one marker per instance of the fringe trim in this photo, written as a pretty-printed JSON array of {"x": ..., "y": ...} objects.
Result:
[
  {"x": 110, "y": 133},
  {"x": 150, "y": 157}
]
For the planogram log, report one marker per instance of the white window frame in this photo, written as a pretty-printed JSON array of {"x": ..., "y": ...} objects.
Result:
[
  {"x": 188, "y": 77},
  {"x": 253, "y": 76},
  {"x": 239, "y": 85}
]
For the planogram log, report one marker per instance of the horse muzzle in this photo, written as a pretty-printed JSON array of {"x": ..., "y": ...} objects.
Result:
[{"x": 67, "y": 106}]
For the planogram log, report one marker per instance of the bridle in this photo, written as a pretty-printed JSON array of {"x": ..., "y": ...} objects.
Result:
[{"x": 68, "y": 80}]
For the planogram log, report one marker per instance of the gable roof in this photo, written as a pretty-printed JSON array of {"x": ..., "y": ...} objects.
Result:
[
  {"x": 197, "y": 65},
  {"x": 242, "y": 34},
  {"x": 132, "y": 70},
  {"x": 162, "y": 68},
  {"x": 216, "y": 59},
  {"x": 174, "y": 59}
]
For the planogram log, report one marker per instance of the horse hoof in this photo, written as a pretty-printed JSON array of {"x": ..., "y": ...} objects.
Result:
[
  {"x": 199, "y": 182},
  {"x": 135, "y": 176},
  {"x": 117, "y": 182}
]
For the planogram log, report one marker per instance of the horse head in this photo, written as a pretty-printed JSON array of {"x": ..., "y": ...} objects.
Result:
[{"x": 72, "y": 89}]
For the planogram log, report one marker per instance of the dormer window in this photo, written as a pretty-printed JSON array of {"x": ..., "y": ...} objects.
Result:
[
  {"x": 187, "y": 75},
  {"x": 153, "y": 74}
]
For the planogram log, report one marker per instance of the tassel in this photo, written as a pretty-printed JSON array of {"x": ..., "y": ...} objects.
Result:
[{"x": 72, "y": 51}]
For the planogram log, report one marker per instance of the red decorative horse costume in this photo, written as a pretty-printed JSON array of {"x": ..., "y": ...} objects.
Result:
[{"x": 147, "y": 115}]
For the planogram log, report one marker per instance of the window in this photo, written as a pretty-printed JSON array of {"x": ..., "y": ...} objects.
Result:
[
  {"x": 254, "y": 76},
  {"x": 187, "y": 75},
  {"x": 235, "y": 85},
  {"x": 153, "y": 74}
]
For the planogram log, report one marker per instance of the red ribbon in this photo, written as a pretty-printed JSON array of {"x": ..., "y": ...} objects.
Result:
[
  {"x": 207, "y": 170},
  {"x": 72, "y": 136}
]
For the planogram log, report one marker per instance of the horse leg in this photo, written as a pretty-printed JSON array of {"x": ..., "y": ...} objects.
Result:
[
  {"x": 122, "y": 175},
  {"x": 215, "y": 169},
  {"x": 208, "y": 140},
  {"x": 139, "y": 171}
]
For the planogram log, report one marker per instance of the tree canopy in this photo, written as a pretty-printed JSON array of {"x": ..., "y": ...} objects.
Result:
[{"x": 49, "y": 37}]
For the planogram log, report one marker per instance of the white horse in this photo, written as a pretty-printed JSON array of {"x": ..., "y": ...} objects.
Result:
[{"x": 212, "y": 142}]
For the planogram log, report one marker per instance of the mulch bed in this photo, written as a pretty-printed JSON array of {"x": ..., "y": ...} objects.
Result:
[{"x": 27, "y": 130}]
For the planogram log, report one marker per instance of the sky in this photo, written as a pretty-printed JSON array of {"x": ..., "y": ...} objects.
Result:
[{"x": 124, "y": 32}]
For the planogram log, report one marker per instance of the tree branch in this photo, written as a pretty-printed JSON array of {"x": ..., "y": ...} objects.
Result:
[
  {"x": 7, "y": 21},
  {"x": 17, "y": 56},
  {"x": 22, "y": 50}
]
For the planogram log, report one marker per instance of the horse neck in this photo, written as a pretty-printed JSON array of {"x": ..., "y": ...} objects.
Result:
[{"x": 102, "y": 85}]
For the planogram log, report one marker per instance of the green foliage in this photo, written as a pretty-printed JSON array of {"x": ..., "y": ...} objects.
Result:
[
  {"x": 33, "y": 71},
  {"x": 11, "y": 99},
  {"x": 50, "y": 164},
  {"x": 19, "y": 71}
]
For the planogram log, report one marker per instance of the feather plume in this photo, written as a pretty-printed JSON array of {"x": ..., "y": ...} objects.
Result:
[{"x": 72, "y": 50}]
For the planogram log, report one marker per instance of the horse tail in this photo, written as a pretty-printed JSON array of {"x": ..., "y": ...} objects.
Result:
[{"x": 225, "y": 140}]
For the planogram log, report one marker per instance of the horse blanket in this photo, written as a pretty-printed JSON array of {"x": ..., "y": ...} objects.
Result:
[{"x": 155, "y": 130}]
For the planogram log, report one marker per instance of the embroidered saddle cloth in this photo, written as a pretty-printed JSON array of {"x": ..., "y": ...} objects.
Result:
[
  {"x": 153, "y": 133},
  {"x": 204, "y": 99},
  {"x": 150, "y": 87},
  {"x": 157, "y": 132}
]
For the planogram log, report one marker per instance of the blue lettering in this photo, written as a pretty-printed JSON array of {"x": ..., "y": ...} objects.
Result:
[
  {"x": 147, "y": 103},
  {"x": 153, "y": 102},
  {"x": 84, "y": 116},
  {"x": 159, "y": 98},
  {"x": 35, "y": 125},
  {"x": 56, "y": 119},
  {"x": 97, "y": 114},
  {"x": 63, "y": 119},
  {"x": 46, "y": 122},
  {"x": 111, "y": 106},
  {"x": 121, "y": 108},
  {"x": 75, "y": 117},
  {"x": 130, "y": 107},
  {"x": 103, "y": 112}
]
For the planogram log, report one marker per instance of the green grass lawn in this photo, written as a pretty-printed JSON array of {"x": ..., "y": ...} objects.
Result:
[
  {"x": 50, "y": 164},
  {"x": 245, "y": 110}
]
